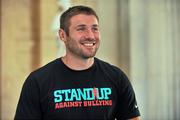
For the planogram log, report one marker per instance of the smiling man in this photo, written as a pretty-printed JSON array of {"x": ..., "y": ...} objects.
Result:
[{"x": 78, "y": 86}]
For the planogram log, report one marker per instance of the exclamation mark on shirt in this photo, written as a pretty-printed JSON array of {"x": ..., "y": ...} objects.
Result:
[{"x": 95, "y": 93}]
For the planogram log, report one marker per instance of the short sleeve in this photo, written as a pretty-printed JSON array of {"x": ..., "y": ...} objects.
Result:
[
  {"x": 127, "y": 105},
  {"x": 29, "y": 102}
]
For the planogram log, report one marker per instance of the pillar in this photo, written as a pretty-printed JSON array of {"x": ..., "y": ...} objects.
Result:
[
  {"x": 154, "y": 30},
  {"x": 15, "y": 52}
]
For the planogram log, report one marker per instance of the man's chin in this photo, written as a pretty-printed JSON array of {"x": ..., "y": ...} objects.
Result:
[{"x": 88, "y": 56}]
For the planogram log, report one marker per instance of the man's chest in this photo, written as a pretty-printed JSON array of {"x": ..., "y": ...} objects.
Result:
[{"x": 94, "y": 95}]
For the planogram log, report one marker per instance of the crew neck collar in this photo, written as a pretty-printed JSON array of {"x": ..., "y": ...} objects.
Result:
[{"x": 73, "y": 70}]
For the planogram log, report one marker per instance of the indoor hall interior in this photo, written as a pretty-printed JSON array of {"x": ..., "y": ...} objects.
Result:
[{"x": 139, "y": 36}]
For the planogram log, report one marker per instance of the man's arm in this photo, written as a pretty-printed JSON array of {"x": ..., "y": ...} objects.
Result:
[
  {"x": 127, "y": 105},
  {"x": 29, "y": 104},
  {"x": 136, "y": 118}
]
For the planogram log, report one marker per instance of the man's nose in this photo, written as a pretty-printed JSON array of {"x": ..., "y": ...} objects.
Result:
[{"x": 89, "y": 34}]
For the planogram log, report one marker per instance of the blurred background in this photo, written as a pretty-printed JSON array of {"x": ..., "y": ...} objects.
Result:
[{"x": 142, "y": 37}]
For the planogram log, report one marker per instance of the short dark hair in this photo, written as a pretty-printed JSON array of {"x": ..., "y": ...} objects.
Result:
[{"x": 72, "y": 11}]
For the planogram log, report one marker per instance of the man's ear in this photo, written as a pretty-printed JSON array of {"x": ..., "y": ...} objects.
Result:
[{"x": 62, "y": 35}]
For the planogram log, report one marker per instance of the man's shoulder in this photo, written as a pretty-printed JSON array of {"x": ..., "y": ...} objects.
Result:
[
  {"x": 112, "y": 72},
  {"x": 109, "y": 68},
  {"x": 46, "y": 69},
  {"x": 107, "y": 65}
]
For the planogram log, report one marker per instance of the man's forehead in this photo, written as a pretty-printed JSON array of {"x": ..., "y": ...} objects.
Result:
[
  {"x": 83, "y": 14},
  {"x": 83, "y": 17},
  {"x": 84, "y": 25}
]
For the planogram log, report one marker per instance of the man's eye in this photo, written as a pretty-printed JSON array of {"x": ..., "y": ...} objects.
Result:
[
  {"x": 95, "y": 29},
  {"x": 80, "y": 29}
]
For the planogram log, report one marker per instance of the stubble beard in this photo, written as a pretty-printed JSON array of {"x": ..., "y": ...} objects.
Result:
[{"x": 75, "y": 49}]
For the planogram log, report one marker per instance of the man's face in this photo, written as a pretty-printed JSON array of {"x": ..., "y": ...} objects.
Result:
[{"x": 83, "y": 40}]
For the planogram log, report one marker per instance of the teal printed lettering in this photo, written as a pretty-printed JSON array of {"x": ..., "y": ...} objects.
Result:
[
  {"x": 100, "y": 95},
  {"x": 82, "y": 94},
  {"x": 74, "y": 95},
  {"x": 107, "y": 92},
  {"x": 66, "y": 92},
  {"x": 90, "y": 95},
  {"x": 58, "y": 96}
]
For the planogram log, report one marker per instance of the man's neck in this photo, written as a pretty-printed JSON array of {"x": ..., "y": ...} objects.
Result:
[{"x": 77, "y": 63}]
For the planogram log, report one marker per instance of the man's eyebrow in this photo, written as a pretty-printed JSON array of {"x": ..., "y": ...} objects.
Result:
[
  {"x": 95, "y": 25},
  {"x": 83, "y": 25}
]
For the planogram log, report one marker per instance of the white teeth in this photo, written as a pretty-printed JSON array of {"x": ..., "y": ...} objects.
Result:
[{"x": 88, "y": 44}]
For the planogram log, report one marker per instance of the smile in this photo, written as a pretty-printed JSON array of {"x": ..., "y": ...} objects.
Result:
[{"x": 89, "y": 44}]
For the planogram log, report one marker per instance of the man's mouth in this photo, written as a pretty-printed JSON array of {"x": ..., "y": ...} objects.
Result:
[{"x": 89, "y": 44}]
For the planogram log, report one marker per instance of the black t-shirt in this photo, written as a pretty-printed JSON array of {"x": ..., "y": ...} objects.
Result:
[{"x": 57, "y": 92}]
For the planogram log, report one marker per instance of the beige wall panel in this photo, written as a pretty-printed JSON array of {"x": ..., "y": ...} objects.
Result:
[
  {"x": 107, "y": 10},
  {"x": 49, "y": 49},
  {"x": 154, "y": 58},
  {"x": 16, "y": 46},
  {"x": 91, "y": 3}
]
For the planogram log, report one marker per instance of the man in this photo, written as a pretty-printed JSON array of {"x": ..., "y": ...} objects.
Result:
[{"x": 78, "y": 85}]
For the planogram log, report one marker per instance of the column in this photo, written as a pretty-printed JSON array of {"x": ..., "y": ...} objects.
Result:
[
  {"x": 15, "y": 53},
  {"x": 35, "y": 34},
  {"x": 154, "y": 57},
  {"x": 107, "y": 11},
  {"x": 0, "y": 61},
  {"x": 138, "y": 52}
]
